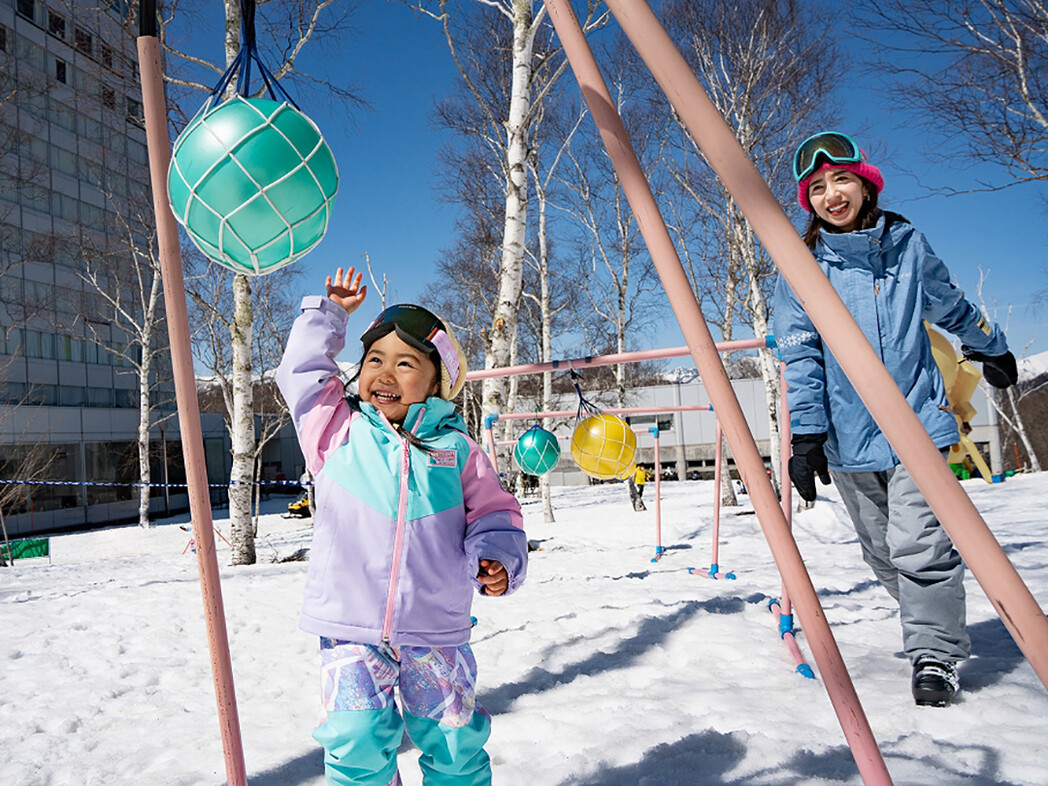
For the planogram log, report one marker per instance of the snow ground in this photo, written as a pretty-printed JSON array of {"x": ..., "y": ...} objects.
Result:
[{"x": 606, "y": 669}]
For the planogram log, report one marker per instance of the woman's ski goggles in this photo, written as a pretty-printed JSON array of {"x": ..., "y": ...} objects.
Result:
[{"x": 837, "y": 148}]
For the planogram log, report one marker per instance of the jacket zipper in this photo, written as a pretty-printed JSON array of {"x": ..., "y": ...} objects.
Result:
[{"x": 398, "y": 538}]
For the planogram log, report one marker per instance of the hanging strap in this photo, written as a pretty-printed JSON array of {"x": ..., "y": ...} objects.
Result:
[
  {"x": 586, "y": 408},
  {"x": 242, "y": 63}
]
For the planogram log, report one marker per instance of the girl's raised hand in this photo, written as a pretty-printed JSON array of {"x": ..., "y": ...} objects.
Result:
[{"x": 346, "y": 290}]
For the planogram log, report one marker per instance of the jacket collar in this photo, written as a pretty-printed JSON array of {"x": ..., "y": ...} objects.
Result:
[
  {"x": 861, "y": 243},
  {"x": 424, "y": 419}
]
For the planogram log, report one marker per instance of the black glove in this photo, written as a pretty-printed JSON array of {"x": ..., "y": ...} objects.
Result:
[
  {"x": 999, "y": 370},
  {"x": 807, "y": 461}
]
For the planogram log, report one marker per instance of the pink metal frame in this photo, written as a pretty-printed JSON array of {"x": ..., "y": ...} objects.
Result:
[
  {"x": 654, "y": 45},
  {"x": 566, "y": 413},
  {"x": 1018, "y": 609},
  {"x": 159, "y": 145}
]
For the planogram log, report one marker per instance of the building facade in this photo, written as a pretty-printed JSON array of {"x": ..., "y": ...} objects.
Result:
[{"x": 74, "y": 180}]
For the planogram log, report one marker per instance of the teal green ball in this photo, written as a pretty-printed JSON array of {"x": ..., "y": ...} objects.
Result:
[
  {"x": 537, "y": 451},
  {"x": 252, "y": 181}
]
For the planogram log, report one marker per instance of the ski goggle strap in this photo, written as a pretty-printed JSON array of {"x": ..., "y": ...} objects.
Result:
[
  {"x": 421, "y": 329},
  {"x": 836, "y": 147}
]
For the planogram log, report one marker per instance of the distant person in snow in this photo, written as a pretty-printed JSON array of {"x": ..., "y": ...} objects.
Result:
[
  {"x": 411, "y": 520},
  {"x": 891, "y": 281}
]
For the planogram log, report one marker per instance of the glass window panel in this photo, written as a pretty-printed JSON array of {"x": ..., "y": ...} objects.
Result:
[
  {"x": 11, "y": 289},
  {"x": 56, "y": 24},
  {"x": 12, "y": 392},
  {"x": 72, "y": 396},
  {"x": 100, "y": 397},
  {"x": 31, "y": 54},
  {"x": 83, "y": 41},
  {"x": 42, "y": 395},
  {"x": 13, "y": 340},
  {"x": 63, "y": 160}
]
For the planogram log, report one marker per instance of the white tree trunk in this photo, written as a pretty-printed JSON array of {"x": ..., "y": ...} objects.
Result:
[
  {"x": 144, "y": 413},
  {"x": 511, "y": 266},
  {"x": 1020, "y": 429},
  {"x": 242, "y": 426}
]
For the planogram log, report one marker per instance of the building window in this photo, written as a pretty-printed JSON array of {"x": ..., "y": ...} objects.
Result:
[
  {"x": 82, "y": 41},
  {"x": 108, "y": 97},
  {"x": 3, "y": 38},
  {"x": 70, "y": 396},
  {"x": 60, "y": 70},
  {"x": 13, "y": 341},
  {"x": 134, "y": 112},
  {"x": 107, "y": 55},
  {"x": 27, "y": 8},
  {"x": 100, "y": 397},
  {"x": 55, "y": 24}
]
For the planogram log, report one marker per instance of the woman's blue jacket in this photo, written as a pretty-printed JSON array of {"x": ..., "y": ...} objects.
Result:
[{"x": 891, "y": 281}]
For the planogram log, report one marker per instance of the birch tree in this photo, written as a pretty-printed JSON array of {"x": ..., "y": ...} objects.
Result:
[
  {"x": 125, "y": 280},
  {"x": 504, "y": 102},
  {"x": 614, "y": 271},
  {"x": 1013, "y": 394},
  {"x": 973, "y": 73},
  {"x": 299, "y": 23},
  {"x": 766, "y": 67}
]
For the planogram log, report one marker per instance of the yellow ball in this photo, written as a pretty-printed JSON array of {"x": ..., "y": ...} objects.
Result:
[{"x": 603, "y": 446}]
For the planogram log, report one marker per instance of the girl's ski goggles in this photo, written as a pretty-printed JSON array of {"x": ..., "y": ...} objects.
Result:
[
  {"x": 413, "y": 324},
  {"x": 419, "y": 328},
  {"x": 837, "y": 148}
]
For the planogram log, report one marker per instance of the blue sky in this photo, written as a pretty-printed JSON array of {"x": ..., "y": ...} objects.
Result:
[{"x": 387, "y": 205}]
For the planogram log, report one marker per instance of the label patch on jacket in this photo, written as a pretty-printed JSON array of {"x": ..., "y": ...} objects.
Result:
[{"x": 443, "y": 458}]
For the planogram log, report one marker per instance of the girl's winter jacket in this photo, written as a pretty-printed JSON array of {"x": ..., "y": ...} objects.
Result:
[
  {"x": 399, "y": 532},
  {"x": 891, "y": 282}
]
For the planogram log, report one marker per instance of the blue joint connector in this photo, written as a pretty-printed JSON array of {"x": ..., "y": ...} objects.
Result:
[
  {"x": 490, "y": 419},
  {"x": 785, "y": 624},
  {"x": 805, "y": 671},
  {"x": 659, "y": 549},
  {"x": 730, "y": 576},
  {"x": 654, "y": 431},
  {"x": 769, "y": 342},
  {"x": 713, "y": 570}
]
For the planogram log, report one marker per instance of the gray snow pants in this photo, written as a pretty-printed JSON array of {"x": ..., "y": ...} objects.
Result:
[{"x": 913, "y": 557}]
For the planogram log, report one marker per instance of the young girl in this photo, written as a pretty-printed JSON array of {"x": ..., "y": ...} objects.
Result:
[
  {"x": 891, "y": 281},
  {"x": 410, "y": 519}
]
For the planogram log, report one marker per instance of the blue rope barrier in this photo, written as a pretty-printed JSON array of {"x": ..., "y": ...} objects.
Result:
[{"x": 151, "y": 485}]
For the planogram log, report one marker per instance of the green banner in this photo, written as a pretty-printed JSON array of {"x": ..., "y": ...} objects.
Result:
[{"x": 24, "y": 549}]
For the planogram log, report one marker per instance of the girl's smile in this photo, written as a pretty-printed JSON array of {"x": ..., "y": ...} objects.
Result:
[
  {"x": 395, "y": 375},
  {"x": 837, "y": 196}
]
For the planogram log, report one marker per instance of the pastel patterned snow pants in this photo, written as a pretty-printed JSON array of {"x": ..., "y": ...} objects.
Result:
[{"x": 363, "y": 728}]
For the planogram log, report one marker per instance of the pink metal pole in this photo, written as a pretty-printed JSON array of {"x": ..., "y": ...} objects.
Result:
[
  {"x": 715, "y": 553},
  {"x": 611, "y": 360},
  {"x": 658, "y": 499},
  {"x": 786, "y": 634},
  {"x": 492, "y": 447},
  {"x": 781, "y": 609},
  {"x": 570, "y": 413},
  {"x": 686, "y": 308},
  {"x": 155, "y": 110},
  {"x": 1017, "y": 607},
  {"x": 785, "y": 486},
  {"x": 714, "y": 571}
]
